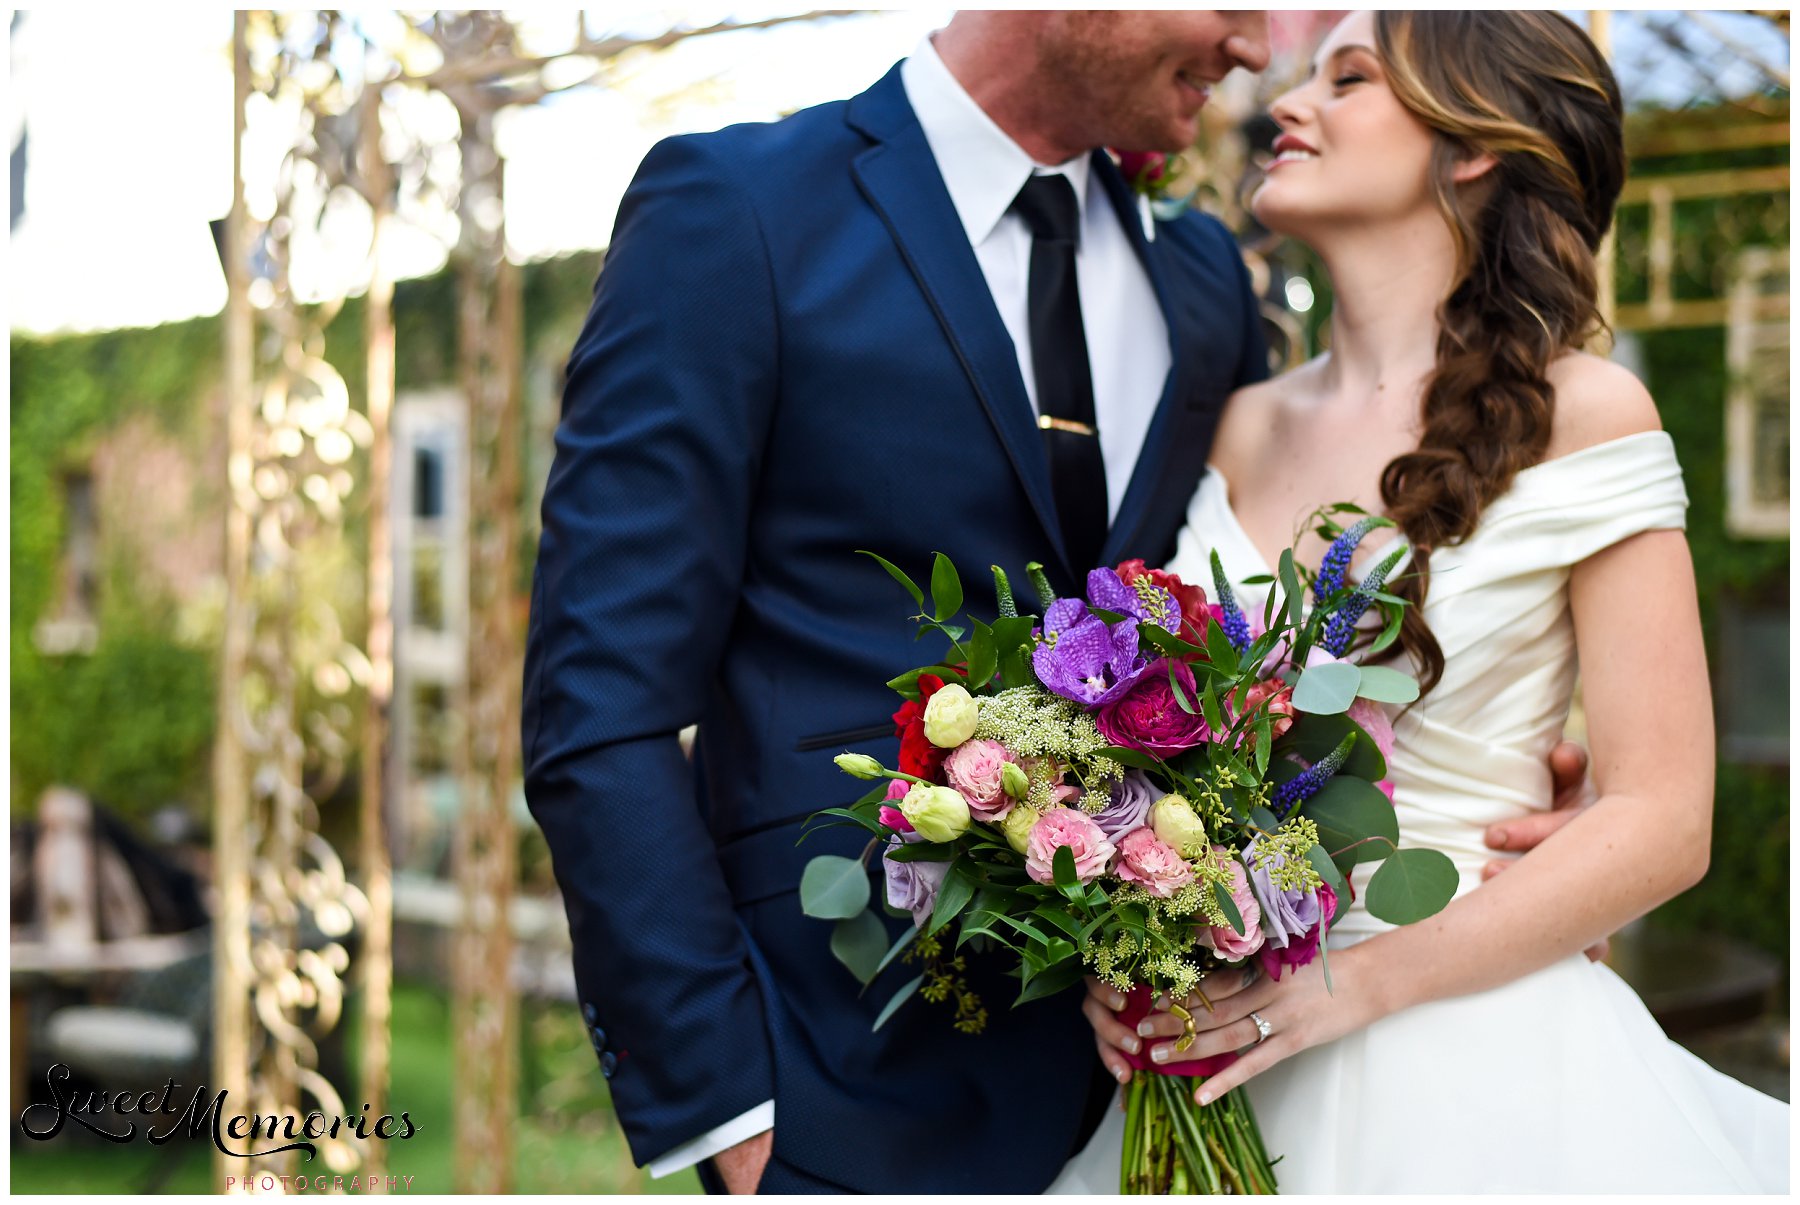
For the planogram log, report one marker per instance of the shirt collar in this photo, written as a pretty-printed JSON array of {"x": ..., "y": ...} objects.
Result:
[{"x": 983, "y": 168}]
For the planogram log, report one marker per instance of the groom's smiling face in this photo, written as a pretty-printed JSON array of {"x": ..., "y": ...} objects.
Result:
[{"x": 1140, "y": 78}]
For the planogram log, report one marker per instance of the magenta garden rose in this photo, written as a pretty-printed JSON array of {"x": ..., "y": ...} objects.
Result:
[
  {"x": 1066, "y": 826},
  {"x": 1149, "y": 718}
]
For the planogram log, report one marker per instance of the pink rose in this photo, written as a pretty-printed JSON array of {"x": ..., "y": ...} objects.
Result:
[
  {"x": 1066, "y": 826},
  {"x": 1281, "y": 705},
  {"x": 1148, "y": 717},
  {"x": 1225, "y": 940},
  {"x": 973, "y": 768},
  {"x": 895, "y": 819},
  {"x": 1145, "y": 859},
  {"x": 1374, "y": 720},
  {"x": 897, "y": 789}
]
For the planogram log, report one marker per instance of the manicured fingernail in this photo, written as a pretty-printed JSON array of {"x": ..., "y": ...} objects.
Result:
[
  {"x": 1120, "y": 1075},
  {"x": 1116, "y": 1003},
  {"x": 1145, "y": 1029},
  {"x": 1203, "y": 1097},
  {"x": 1133, "y": 1045},
  {"x": 1160, "y": 1054}
]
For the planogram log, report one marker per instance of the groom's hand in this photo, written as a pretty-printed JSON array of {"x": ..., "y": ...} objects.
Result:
[
  {"x": 741, "y": 1166},
  {"x": 1574, "y": 791}
]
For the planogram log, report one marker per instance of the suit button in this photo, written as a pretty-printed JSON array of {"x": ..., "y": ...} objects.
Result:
[
  {"x": 607, "y": 1063},
  {"x": 597, "y": 1036},
  {"x": 590, "y": 1014}
]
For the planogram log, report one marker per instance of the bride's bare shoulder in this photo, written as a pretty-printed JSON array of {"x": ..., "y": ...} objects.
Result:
[
  {"x": 1596, "y": 401},
  {"x": 1252, "y": 418}
]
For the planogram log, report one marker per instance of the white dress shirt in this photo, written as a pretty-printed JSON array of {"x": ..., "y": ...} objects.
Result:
[{"x": 1127, "y": 336}]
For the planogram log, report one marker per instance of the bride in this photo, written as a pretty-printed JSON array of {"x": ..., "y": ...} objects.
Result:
[{"x": 1456, "y": 172}]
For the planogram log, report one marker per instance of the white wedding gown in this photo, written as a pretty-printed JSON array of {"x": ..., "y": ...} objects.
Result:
[{"x": 1557, "y": 1082}]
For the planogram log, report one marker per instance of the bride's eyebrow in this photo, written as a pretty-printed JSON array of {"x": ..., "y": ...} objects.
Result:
[{"x": 1339, "y": 53}]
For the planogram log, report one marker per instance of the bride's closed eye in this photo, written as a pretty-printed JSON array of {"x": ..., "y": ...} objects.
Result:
[{"x": 1344, "y": 81}]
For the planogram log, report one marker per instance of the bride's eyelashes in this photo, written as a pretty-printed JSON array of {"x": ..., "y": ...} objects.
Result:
[{"x": 1344, "y": 81}]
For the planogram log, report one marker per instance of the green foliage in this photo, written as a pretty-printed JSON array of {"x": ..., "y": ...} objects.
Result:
[
  {"x": 1746, "y": 889},
  {"x": 131, "y": 722}
]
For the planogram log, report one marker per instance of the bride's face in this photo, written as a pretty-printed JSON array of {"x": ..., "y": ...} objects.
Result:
[{"x": 1349, "y": 154}]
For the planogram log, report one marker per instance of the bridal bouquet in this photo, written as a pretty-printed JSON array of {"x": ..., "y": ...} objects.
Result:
[{"x": 1144, "y": 784}]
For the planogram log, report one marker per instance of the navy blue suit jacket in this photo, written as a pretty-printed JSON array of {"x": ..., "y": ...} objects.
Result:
[{"x": 792, "y": 354}]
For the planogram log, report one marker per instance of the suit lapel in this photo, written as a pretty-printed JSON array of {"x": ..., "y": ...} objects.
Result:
[
  {"x": 1153, "y": 456},
  {"x": 900, "y": 178}
]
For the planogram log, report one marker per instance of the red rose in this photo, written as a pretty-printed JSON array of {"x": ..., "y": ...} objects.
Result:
[
  {"x": 1142, "y": 168},
  {"x": 918, "y": 756},
  {"x": 1191, "y": 599}
]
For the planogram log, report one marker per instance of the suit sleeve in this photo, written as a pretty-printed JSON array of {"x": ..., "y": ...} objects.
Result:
[{"x": 670, "y": 390}]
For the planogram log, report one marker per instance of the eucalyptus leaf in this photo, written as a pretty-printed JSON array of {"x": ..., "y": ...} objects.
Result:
[
  {"x": 1327, "y": 688},
  {"x": 1348, "y": 810},
  {"x": 1313, "y": 736},
  {"x": 1384, "y": 685},
  {"x": 1411, "y": 885},
  {"x": 833, "y": 887},
  {"x": 859, "y": 943}
]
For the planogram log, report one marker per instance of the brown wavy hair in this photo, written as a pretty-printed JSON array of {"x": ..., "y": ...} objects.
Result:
[{"x": 1532, "y": 90}]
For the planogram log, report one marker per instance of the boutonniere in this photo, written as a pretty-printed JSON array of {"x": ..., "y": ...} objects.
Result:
[{"x": 1158, "y": 178}]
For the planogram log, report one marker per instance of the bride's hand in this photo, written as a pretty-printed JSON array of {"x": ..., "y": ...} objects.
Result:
[
  {"x": 1299, "y": 1011},
  {"x": 1110, "y": 1036}
]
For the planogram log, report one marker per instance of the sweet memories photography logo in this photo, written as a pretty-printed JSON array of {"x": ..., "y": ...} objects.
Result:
[{"x": 120, "y": 1116}]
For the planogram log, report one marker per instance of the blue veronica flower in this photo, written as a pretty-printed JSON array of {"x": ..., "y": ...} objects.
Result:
[
  {"x": 1341, "y": 629},
  {"x": 1337, "y": 560},
  {"x": 1296, "y": 791},
  {"x": 1237, "y": 628}
]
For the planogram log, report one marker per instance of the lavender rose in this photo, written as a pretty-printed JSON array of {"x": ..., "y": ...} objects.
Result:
[
  {"x": 1149, "y": 718},
  {"x": 1296, "y": 920},
  {"x": 1130, "y": 806},
  {"x": 913, "y": 885}
]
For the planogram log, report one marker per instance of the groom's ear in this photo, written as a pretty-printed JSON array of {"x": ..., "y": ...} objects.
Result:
[{"x": 1473, "y": 166}]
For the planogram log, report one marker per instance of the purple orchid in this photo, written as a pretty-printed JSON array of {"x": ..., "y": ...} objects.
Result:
[{"x": 1089, "y": 662}]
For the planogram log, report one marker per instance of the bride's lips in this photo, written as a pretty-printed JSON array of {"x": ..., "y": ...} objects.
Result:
[{"x": 1290, "y": 149}]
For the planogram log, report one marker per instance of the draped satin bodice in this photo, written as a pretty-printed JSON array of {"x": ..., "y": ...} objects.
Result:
[{"x": 1474, "y": 751}]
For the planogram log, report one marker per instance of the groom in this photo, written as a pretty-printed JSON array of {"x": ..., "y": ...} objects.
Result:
[{"x": 930, "y": 318}]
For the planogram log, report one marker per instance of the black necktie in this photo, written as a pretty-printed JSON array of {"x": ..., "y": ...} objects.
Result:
[{"x": 1059, "y": 361}]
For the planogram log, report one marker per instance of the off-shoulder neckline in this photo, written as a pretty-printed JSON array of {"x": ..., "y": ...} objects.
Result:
[{"x": 1578, "y": 455}]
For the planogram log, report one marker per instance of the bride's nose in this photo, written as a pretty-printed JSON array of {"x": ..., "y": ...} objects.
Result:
[{"x": 1286, "y": 109}]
